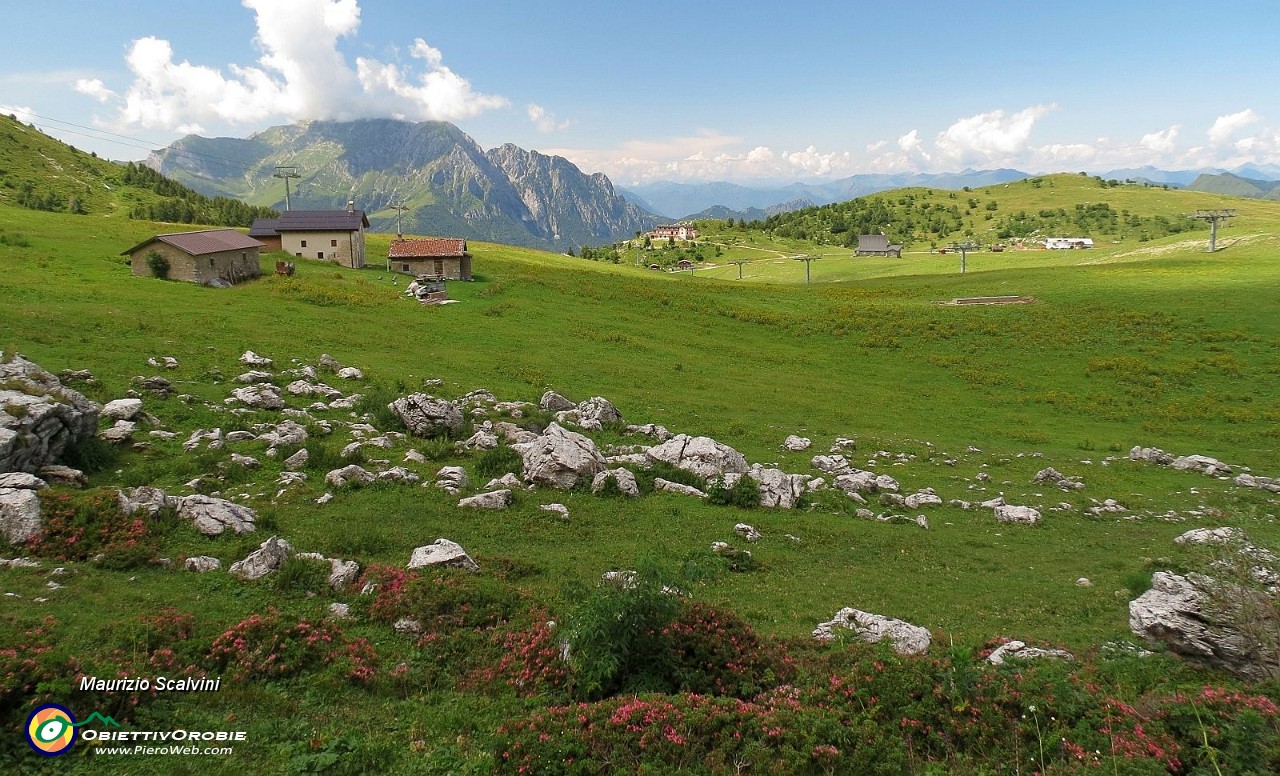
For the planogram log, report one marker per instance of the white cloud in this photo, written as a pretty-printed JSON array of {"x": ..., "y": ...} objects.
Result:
[
  {"x": 1161, "y": 142},
  {"x": 1226, "y": 126},
  {"x": 545, "y": 121},
  {"x": 95, "y": 88},
  {"x": 990, "y": 138},
  {"x": 23, "y": 112},
  {"x": 300, "y": 75},
  {"x": 813, "y": 162}
]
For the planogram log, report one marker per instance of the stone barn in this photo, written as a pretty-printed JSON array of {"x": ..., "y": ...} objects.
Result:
[
  {"x": 442, "y": 257},
  {"x": 210, "y": 256}
]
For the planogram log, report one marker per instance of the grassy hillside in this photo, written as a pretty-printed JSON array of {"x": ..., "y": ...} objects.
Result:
[
  {"x": 1153, "y": 343},
  {"x": 40, "y": 173}
]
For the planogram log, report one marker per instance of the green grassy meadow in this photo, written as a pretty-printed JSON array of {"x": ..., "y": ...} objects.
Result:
[{"x": 1155, "y": 343}]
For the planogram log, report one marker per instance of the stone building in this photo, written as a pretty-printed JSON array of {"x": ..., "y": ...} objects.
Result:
[
  {"x": 209, "y": 256},
  {"x": 441, "y": 257}
]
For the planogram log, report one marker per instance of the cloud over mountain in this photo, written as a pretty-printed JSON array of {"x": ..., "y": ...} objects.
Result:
[{"x": 301, "y": 74}]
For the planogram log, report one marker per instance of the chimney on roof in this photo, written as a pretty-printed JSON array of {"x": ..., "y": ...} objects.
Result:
[{"x": 351, "y": 206}]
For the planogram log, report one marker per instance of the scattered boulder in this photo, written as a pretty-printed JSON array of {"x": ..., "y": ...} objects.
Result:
[
  {"x": 1264, "y": 483},
  {"x": 203, "y": 563},
  {"x": 797, "y": 444},
  {"x": 212, "y": 516},
  {"x": 353, "y": 475},
  {"x": 554, "y": 402},
  {"x": 350, "y": 373},
  {"x": 559, "y": 458},
  {"x": 118, "y": 434},
  {"x": 253, "y": 359},
  {"x": 483, "y": 439},
  {"x": 651, "y": 429},
  {"x": 1018, "y": 650},
  {"x": 259, "y": 396},
  {"x": 778, "y": 490},
  {"x": 747, "y": 532},
  {"x": 297, "y": 460},
  {"x": 1200, "y": 463},
  {"x": 1201, "y": 619},
  {"x": 857, "y": 481},
  {"x": 676, "y": 487},
  {"x": 40, "y": 419},
  {"x": 595, "y": 412},
  {"x": 247, "y": 461},
  {"x": 426, "y": 416},
  {"x": 1008, "y": 513},
  {"x": 831, "y": 464},
  {"x": 212, "y": 439},
  {"x": 255, "y": 376},
  {"x": 452, "y": 479},
  {"x": 625, "y": 480},
  {"x": 1225, "y": 535},
  {"x": 498, "y": 499},
  {"x": 269, "y": 557},
  {"x": 442, "y": 553},
  {"x": 339, "y": 611},
  {"x": 399, "y": 474},
  {"x": 701, "y": 455},
  {"x": 508, "y": 481},
  {"x": 923, "y": 498},
  {"x": 1150, "y": 455},
  {"x": 1052, "y": 476},
  {"x": 20, "y": 518},
  {"x": 147, "y": 500},
  {"x": 342, "y": 573},
  {"x": 57, "y": 474},
  {"x": 559, "y": 509},
  {"x": 122, "y": 409},
  {"x": 907, "y": 639}
]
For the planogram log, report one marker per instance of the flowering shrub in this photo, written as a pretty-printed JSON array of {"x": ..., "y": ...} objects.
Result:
[
  {"x": 440, "y": 599},
  {"x": 80, "y": 526},
  {"x": 532, "y": 661},
  {"x": 717, "y": 653},
  {"x": 271, "y": 647},
  {"x": 29, "y": 661},
  {"x": 694, "y": 733}
]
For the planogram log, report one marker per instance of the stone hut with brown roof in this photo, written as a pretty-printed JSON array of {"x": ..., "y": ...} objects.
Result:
[
  {"x": 443, "y": 257},
  {"x": 202, "y": 257}
]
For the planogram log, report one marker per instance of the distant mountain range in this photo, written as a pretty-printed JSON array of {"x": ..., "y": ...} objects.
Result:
[
  {"x": 445, "y": 182},
  {"x": 718, "y": 199},
  {"x": 691, "y": 200}
]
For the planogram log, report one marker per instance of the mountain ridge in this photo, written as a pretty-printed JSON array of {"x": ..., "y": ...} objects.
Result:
[{"x": 444, "y": 181}]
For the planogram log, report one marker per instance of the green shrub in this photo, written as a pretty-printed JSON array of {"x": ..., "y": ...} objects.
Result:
[
  {"x": 745, "y": 493},
  {"x": 91, "y": 456},
  {"x": 498, "y": 461},
  {"x": 158, "y": 265},
  {"x": 80, "y": 525},
  {"x": 302, "y": 575}
]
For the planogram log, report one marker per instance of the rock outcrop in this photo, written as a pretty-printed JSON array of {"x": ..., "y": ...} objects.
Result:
[
  {"x": 19, "y": 506},
  {"x": 442, "y": 553},
  {"x": 427, "y": 416},
  {"x": 212, "y": 516},
  {"x": 41, "y": 420},
  {"x": 907, "y": 639},
  {"x": 560, "y": 458},
  {"x": 701, "y": 455},
  {"x": 1209, "y": 622}
]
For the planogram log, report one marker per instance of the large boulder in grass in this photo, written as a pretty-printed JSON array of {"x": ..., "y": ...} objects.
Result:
[
  {"x": 701, "y": 455},
  {"x": 907, "y": 639},
  {"x": 427, "y": 416},
  {"x": 269, "y": 557},
  {"x": 20, "y": 517},
  {"x": 560, "y": 458},
  {"x": 442, "y": 553},
  {"x": 41, "y": 420},
  {"x": 213, "y": 516},
  {"x": 147, "y": 500},
  {"x": 1209, "y": 622}
]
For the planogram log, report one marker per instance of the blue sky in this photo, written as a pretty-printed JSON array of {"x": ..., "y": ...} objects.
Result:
[{"x": 677, "y": 91}]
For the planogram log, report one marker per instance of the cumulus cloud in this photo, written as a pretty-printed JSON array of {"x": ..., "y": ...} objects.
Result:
[
  {"x": 544, "y": 120},
  {"x": 1226, "y": 126},
  {"x": 95, "y": 88},
  {"x": 1161, "y": 142},
  {"x": 990, "y": 137},
  {"x": 300, "y": 75}
]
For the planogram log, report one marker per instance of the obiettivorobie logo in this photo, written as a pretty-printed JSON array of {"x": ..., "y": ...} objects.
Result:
[{"x": 51, "y": 729}]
